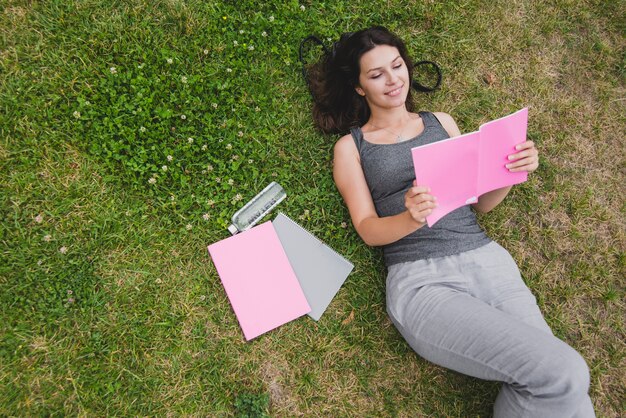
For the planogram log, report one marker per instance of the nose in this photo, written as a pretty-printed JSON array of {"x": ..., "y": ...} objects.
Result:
[{"x": 391, "y": 78}]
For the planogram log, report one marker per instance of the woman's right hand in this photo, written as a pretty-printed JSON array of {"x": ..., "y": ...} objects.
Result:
[{"x": 419, "y": 203}]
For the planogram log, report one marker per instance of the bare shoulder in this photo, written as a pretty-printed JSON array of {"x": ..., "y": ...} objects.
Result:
[
  {"x": 345, "y": 146},
  {"x": 344, "y": 141},
  {"x": 448, "y": 123},
  {"x": 442, "y": 116}
]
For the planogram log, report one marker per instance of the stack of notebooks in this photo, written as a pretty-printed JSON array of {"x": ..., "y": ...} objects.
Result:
[{"x": 277, "y": 272}]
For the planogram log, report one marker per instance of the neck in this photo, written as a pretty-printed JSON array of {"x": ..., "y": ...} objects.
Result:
[{"x": 389, "y": 117}]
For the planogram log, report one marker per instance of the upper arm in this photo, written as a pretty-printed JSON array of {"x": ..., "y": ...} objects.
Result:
[
  {"x": 448, "y": 124},
  {"x": 350, "y": 181}
]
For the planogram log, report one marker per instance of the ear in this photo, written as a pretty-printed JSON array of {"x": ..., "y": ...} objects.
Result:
[{"x": 359, "y": 91}]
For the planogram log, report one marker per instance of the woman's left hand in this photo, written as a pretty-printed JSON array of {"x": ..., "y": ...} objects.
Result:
[{"x": 526, "y": 159}]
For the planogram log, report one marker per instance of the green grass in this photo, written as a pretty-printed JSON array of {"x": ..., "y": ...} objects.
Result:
[{"x": 109, "y": 302}]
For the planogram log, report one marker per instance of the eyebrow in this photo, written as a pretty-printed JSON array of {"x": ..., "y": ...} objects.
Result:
[{"x": 379, "y": 68}]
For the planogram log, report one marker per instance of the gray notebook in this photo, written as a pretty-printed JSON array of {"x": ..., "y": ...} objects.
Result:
[{"x": 320, "y": 270}]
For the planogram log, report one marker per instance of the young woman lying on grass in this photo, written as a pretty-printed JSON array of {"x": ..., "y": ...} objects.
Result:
[{"x": 455, "y": 295}]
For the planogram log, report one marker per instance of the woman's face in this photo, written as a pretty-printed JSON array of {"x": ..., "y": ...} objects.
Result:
[{"x": 384, "y": 77}]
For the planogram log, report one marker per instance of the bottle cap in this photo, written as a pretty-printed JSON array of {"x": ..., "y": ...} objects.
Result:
[{"x": 233, "y": 229}]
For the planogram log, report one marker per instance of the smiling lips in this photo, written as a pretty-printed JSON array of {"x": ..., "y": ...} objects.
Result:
[{"x": 394, "y": 92}]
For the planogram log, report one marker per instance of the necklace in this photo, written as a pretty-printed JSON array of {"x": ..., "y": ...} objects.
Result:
[{"x": 399, "y": 137}]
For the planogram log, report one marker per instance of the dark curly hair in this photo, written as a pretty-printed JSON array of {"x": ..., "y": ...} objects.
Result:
[{"x": 332, "y": 80}]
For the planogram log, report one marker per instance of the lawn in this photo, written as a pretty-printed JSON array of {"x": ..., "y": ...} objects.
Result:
[{"x": 131, "y": 131}]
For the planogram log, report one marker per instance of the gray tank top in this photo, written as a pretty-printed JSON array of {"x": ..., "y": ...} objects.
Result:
[{"x": 389, "y": 172}]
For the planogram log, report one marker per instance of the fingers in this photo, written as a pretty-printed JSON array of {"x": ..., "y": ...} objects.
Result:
[
  {"x": 419, "y": 203},
  {"x": 527, "y": 149},
  {"x": 525, "y": 145},
  {"x": 416, "y": 190},
  {"x": 525, "y": 160},
  {"x": 526, "y": 164}
]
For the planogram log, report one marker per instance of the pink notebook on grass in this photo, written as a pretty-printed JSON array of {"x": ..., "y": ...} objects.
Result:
[
  {"x": 259, "y": 281},
  {"x": 460, "y": 169}
]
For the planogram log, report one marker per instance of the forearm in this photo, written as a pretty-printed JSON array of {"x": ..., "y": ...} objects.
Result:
[
  {"x": 377, "y": 231},
  {"x": 490, "y": 200}
]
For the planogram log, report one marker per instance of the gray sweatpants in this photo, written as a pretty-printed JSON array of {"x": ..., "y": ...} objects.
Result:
[{"x": 472, "y": 313}]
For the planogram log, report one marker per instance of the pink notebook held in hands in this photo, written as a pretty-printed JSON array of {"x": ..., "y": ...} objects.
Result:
[
  {"x": 259, "y": 280},
  {"x": 460, "y": 169}
]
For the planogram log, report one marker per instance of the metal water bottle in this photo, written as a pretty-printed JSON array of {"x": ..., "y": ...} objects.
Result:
[{"x": 260, "y": 205}]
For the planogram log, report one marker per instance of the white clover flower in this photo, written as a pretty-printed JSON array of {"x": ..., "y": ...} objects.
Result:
[
  {"x": 113, "y": 70},
  {"x": 271, "y": 18},
  {"x": 241, "y": 31},
  {"x": 204, "y": 147},
  {"x": 87, "y": 103},
  {"x": 183, "y": 116},
  {"x": 76, "y": 114},
  {"x": 164, "y": 168},
  {"x": 234, "y": 157},
  {"x": 231, "y": 182},
  {"x": 183, "y": 79},
  {"x": 152, "y": 180},
  {"x": 170, "y": 61},
  {"x": 274, "y": 174},
  {"x": 206, "y": 216},
  {"x": 250, "y": 161},
  {"x": 206, "y": 52},
  {"x": 214, "y": 105},
  {"x": 229, "y": 70},
  {"x": 229, "y": 146},
  {"x": 237, "y": 197},
  {"x": 142, "y": 129},
  {"x": 344, "y": 225},
  {"x": 172, "y": 197},
  {"x": 218, "y": 179},
  {"x": 39, "y": 219},
  {"x": 63, "y": 250},
  {"x": 235, "y": 43},
  {"x": 264, "y": 34},
  {"x": 257, "y": 109},
  {"x": 209, "y": 167},
  {"x": 202, "y": 298},
  {"x": 47, "y": 238},
  {"x": 170, "y": 158},
  {"x": 210, "y": 202},
  {"x": 302, "y": 7},
  {"x": 190, "y": 140},
  {"x": 40, "y": 262},
  {"x": 188, "y": 227},
  {"x": 251, "y": 48},
  {"x": 240, "y": 133}
]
